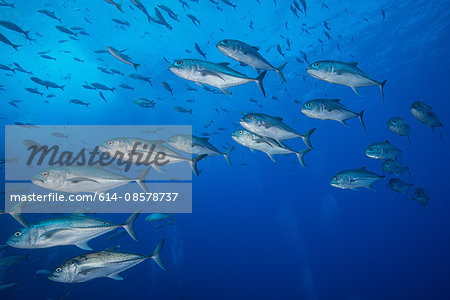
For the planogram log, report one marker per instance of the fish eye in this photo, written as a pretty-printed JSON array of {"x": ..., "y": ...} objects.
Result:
[
  {"x": 58, "y": 269},
  {"x": 248, "y": 117},
  {"x": 18, "y": 233},
  {"x": 174, "y": 138},
  {"x": 370, "y": 149},
  {"x": 315, "y": 64},
  {"x": 240, "y": 132},
  {"x": 110, "y": 143},
  {"x": 179, "y": 62},
  {"x": 308, "y": 104},
  {"x": 44, "y": 173}
]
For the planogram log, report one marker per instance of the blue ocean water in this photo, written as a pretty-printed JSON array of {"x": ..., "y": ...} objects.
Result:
[{"x": 259, "y": 230}]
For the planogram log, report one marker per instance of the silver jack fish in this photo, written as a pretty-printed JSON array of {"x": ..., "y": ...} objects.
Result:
[
  {"x": 383, "y": 150},
  {"x": 399, "y": 126},
  {"x": 355, "y": 178},
  {"x": 125, "y": 145},
  {"x": 395, "y": 167},
  {"x": 421, "y": 197},
  {"x": 425, "y": 114},
  {"x": 75, "y": 230},
  {"x": 107, "y": 263},
  {"x": 399, "y": 186},
  {"x": 273, "y": 127},
  {"x": 248, "y": 55},
  {"x": 197, "y": 145},
  {"x": 266, "y": 145},
  {"x": 218, "y": 75},
  {"x": 338, "y": 72},
  {"x": 79, "y": 179},
  {"x": 330, "y": 109}
]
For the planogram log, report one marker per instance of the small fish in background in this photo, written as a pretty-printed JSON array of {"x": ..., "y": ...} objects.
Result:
[
  {"x": 227, "y": 2},
  {"x": 182, "y": 109},
  {"x": 120, "y": 22},
  {"x": 142, "y": 8},
  {"x": 425, "y": 114},
  {"x": 395, "y": 167},
  {"x": 78, "y": 60},
  {"x": 79, "y": 102},
  {"x": 88, "y": 87},
  {"x": 383, "y": 151},
  {"x": 399, "y": 126},
  {"x": 6, "y": 68},
  {"x": 160, "y": 19},
  {"x": 6, "y": 4},
  {"x": 399, "y": 186},
  {"x": 48, "y": 57},
  {"x": 104, "y": 70},
  {"x": 169, "y": 11},
  {"x": 208, "y": 124},
  {"x": 42, "y": 272},
  {"x": 342, "y": 73},
  {"x": 144, "y": 103},
  {"x": 50, "y": 14},
  {"x": 20, "y": 69},
  {"x": 9, "y": 261},
  {"x": 117, "y": 5},
  {"x": 122, "y": 57},
  {"x": 156, "y": 217},
  {"x": 14, "y": 27},
  {"x": 114, "y": 71},
  {"x": 126, "y": 86},
  {"x": 66, "y": 30},
  {"x": 107, "y": 263},
  {"x": 60, "y": 135},
  {"x": 167, "y": 87},
  {"x": 51, "y": 96},
  {"x": 34, "y": 91},
  {"x": 102, "y": 96},
  {"x": 99, "y": 86},
  {"x": 200, "y": 51},
  {"x": 421, "y": 197},
  {"x": 383, "y": 15},
  {"x": 5, "y": 40},
  {"x": 141, "y": 77},
  {"x": 13, "y": 103},
  {"x": 354, "y": 179},
  {"x": 330, "y": 109},
  {"x": 280, "y": 51},
  {"x": 194, "y": 20},
  {"x": 251, "y": 25}
]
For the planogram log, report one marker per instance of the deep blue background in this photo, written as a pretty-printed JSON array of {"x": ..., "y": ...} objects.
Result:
[{"x": 259, "y": 229}]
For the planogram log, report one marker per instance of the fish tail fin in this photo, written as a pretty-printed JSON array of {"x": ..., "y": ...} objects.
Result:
[
  {"x": 16, "y": 46},
  {"x": 135, "y": 66},
  {"x": 189, "y": 111},
  {"x": 170, "y": 216},
  {"x": 87, "y": 104},
  {"x": 113, "y": 89},
  {"x": 382, "y": 89},
  {"x": 128, "y": 225},
  {"x": 301, "y": 155},
  {"x": 306, "y": 137},
  {"x": 26, "y": 33},
  {"x": 59, "y": 19},
  {"x": 279, "y": 71},
  {"x": 259, "y": 81},
  {"x": 62, "y": 87},
  {"x": 141, "y": 178},
  {"x": 155, "y": 256},
  {"x": 360, "y": 116},
  {"x": 227, "y": 155},
  {"x": 119, "y": 7},
  {"x": 193, "y": 162}
]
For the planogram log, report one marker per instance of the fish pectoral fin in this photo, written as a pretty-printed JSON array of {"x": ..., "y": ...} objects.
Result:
[
  {"x": 355, "y": 89},
  {"x": 355, "y": 64},
  {"x": 87, "y": 271},
  {"x": 225, "y": 64},
  {"x": 225, "y": 91},
  {"x": 83, "y": 245},
  {"x": 49, "y": 234},
  {"x": 210, "y": 73},
  {"x": 115, "y": 277},
  {"x": 81, "y": 179},
  {"x": 271, "y": 157},
  {"x": 344, "y": 123},
  {"x": 251, "y": 149}
]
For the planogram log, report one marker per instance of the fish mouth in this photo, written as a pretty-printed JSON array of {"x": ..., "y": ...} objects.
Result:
[{"x": 37, "y": 180}]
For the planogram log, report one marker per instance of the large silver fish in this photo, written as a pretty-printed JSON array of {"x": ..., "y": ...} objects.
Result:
[
  {"x": 248, "y": 55},
  {"x": 273, "y": 127},
  {"x": 197, "y": 145},
  {"x": 122, "y": 57},
  {"x": 79, "y": 179},
  {"x": 330, "y": 109},
  {"x": 355, "y": 178},
  {"x": 425, "y": 114},
  {"x": 266, "y": 145},
  {"x": 214, "y": 74},
  {"x": 107, "y": 263},
  {"x": 75, "y": 230},
  {"x": 343, "y": 73},
  {"x": 125, "y": 145}
]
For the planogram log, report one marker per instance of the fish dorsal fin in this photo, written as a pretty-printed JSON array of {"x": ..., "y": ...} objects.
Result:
[
  {"x": 112, "y": 249},
  {"x": 225, "y": 64},
  {"x": 278, "y": 118},
  {"x": 336, "y": 100},
  {"x": 355, "y": 64},
  {"x": 81, "y": 179},
  {"x": 256, "y": 48},
  {"x": 205, "y": 138},
  {"x": 363, "y": 168}
]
